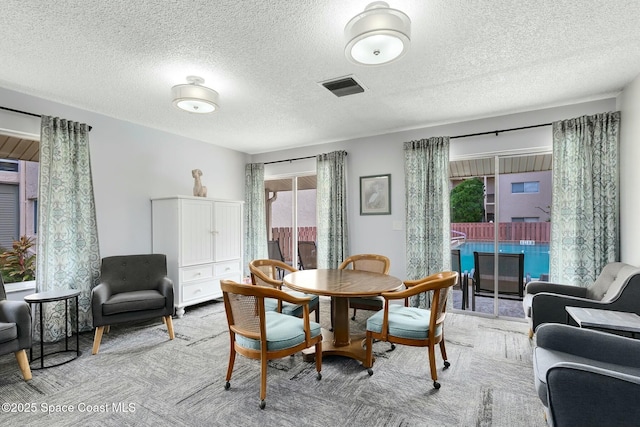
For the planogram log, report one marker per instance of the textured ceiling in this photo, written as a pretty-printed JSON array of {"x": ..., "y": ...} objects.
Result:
[{"x": 468, "y": 59}]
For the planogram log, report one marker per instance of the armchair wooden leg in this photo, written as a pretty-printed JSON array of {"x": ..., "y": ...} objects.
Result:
[
  {"x": 23, "y": 363},
  {"x": 96, "y": 339},
  {"x": 169, "y": 321},
  {"x": 530, "y": 333},
  {"x": 263, "y": 381}
]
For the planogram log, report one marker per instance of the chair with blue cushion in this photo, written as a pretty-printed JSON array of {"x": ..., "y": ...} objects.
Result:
[
  {"x": 264, "y": 272},
  {"x": 413, "y": 326},
  {"x": 264, "y": 335}
]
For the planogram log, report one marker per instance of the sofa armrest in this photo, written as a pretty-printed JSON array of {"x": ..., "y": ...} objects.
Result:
[
  {"x": 537, "y": 287},
  {"x": 99, "y": 295},
  {"x": 550, "y": 307},
  {"x": 589, "y": 343},
  {"x": 18, "y": 312},
  {"x": 589, "y": 396},
  {"x": 165, "y": 287}
]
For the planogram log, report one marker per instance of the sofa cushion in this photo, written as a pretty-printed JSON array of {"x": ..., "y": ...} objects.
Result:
[
  {"x": 133, "y": 301},
  {"x": 610, "y": 281},
  {"x": 623, "y": 275},
  {"x": 8, "y": 332}
]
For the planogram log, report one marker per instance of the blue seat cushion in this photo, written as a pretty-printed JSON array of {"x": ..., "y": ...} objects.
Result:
[
  {"x": 283, "y": 331},
  {"x": 404, "y": 322},
  {"x": 8, "y": 332},
  {"x": 133, "y": 301},
  {"x": 271, "y": 304}
]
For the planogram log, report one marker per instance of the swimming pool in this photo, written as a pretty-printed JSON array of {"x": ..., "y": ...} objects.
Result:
[{"x": 536, "y": 257}]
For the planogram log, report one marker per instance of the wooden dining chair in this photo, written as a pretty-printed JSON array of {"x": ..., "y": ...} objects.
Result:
[
  {"x": 264, "y": 335},
  {"x": 264, "y": 272},
  {"x": 413, "y": 326},
  {"x": 366, "y": 262}
]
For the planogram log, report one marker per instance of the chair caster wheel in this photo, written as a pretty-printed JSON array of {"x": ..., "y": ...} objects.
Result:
[
  {"x": 227, "y": 385},
  {"x": 263, "y": 404},
  {"x": 319, "y": 376},
  {"x": 353, "y": 318},
  {"x": 393, "y": 347},
  {"x": 436, "y": 385},
  {"x": 369, "y": 371},
  {"x": 446, "y": 364}
]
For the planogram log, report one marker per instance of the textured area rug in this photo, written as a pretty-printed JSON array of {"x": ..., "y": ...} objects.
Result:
[{"x": 140, "y": 377}]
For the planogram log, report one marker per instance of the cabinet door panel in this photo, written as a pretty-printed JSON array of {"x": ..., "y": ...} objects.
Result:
[
  {"x": 197, "y": 232},
  {"x": 228, "y": 231}
]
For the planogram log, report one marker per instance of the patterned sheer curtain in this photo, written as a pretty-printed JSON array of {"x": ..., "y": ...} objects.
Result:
[
  {"x": 332, "y": 209},
  {"x": 426, "y": 171},
  {"x": 255, "y": 221},
  {"x": 585, "y": 231},
  {"x": 68, "y": 252}
]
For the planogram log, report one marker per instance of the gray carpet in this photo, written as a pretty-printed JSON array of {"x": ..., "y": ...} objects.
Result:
[{"x": 141, "y": 378}]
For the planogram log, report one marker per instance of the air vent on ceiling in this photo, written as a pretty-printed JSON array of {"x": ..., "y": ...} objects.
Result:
[{"x": 343, "y": 86}]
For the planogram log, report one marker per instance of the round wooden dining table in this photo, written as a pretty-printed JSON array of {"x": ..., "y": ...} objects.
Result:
[{"x": 340, "y": 285}]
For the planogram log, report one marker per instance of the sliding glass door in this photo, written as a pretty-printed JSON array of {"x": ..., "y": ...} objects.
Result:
[
  {"x": 291, "y": 219},
  {"x": 500, "y": 222}
]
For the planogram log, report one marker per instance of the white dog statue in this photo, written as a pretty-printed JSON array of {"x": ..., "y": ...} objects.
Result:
[{"x": 199, "y": 190}]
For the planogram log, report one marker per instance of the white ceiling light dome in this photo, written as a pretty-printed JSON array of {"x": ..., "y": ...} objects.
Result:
[
  {"x": 194, "y": 98},
  {"x": 377, "y": 36}
]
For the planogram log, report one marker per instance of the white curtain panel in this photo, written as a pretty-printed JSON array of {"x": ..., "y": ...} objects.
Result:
[
  {"x": 585, "y": 210},
  {"x": 255, "y": 217},
  {"x": 68, "y": 253},
  {"x": 426, "y": 171},
  {"x": 332, "y": 209}
]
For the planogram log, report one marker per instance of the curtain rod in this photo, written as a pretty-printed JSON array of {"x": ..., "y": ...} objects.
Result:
[
  {"x": 290, "y": 160},
  {"x": 26, "y": 113},
  {"x": 451, "y": 137},
  {"x": 500, "y": 131}
]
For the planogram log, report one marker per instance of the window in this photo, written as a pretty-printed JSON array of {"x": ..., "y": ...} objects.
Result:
[
  {"x": 7, "y": 165},
  {"x": 525, "y": 187}
]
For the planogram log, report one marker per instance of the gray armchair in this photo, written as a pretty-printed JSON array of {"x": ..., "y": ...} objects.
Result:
[
  {"x": 616, "y": 288},
  {"x": 15, "y": 330},
  {"x": 585, "y": 377},
  {"x": 132, "y": 288}
]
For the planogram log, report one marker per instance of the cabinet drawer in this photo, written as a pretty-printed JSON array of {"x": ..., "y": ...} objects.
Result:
[
  {"x": 222, "y": 268},
  {"x": 201, "y": 290},
  {"x": 198, "y": 272}
]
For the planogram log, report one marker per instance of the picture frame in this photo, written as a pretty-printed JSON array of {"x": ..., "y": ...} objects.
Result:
[{"x": 375, "y": 195}]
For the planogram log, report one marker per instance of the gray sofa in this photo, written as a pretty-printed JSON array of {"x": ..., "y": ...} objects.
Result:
[
  {"x": 15, "y": 330},
  {"x": 585, "y": 377},
  {"x": 616, "y": 288}
]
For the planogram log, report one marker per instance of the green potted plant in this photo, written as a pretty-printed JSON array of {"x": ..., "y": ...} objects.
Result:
[{"x": 19, "y": 263}]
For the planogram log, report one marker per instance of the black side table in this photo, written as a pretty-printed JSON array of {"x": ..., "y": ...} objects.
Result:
[{"x": 52, "y": 296}]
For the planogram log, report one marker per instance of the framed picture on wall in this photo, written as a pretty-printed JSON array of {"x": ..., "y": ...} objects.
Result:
[{"x": 375, "y": 195}]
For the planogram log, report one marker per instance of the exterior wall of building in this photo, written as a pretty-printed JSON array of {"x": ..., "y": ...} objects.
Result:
[
  {"x": 525, "y": 205},
  {"x": 26, "y": 178}
]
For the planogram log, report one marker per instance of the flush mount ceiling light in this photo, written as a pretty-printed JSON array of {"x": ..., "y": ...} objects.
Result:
[
  {"x": 195, "y": 98},
  {"x": 378, "y": 35}
]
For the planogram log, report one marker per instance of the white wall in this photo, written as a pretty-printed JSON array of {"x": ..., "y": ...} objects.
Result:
[
  {"x": 629, "y": 106},
  {"x": 384, "y": 154},
  {"x": 130, "y": 165}
]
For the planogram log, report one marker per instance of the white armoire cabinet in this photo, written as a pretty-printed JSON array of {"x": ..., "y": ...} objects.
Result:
[{"x": 202, "y": 239}]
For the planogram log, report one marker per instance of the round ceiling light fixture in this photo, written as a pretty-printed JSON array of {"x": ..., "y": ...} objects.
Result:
[
  {"x": 378, "y": 35},
  {"x": 194, "y": 98}
]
